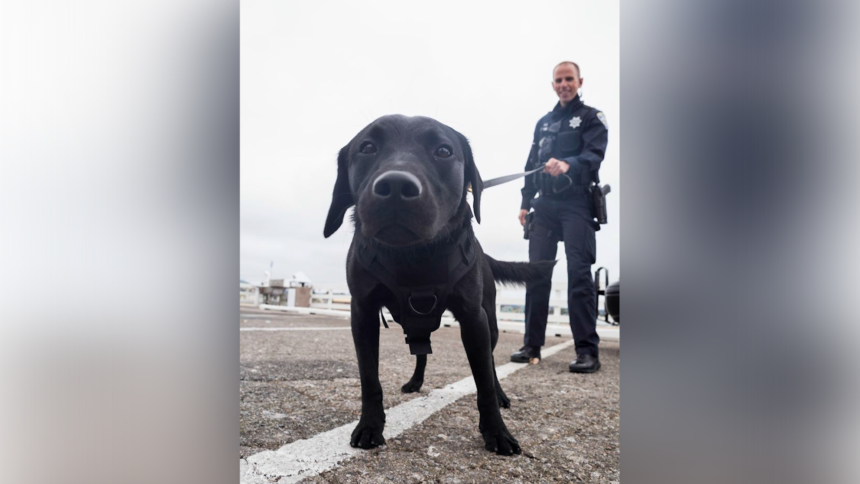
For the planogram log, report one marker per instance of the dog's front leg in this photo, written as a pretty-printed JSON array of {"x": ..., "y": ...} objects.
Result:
[
  {"x": 365, "y": 335},
  {"x": 475, "y": 333}
]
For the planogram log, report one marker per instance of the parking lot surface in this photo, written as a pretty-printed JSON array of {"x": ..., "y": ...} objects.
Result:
[{"x": 299, "y": 379}]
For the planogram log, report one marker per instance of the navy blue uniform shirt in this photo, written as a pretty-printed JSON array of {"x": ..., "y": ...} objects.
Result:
[{"x": 581, "y": 143}]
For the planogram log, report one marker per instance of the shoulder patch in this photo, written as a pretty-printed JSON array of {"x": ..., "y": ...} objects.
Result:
[{"x": 602, "y": 118}]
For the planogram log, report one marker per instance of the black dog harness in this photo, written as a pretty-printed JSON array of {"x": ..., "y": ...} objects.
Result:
[{"x": 421, "y": 283}]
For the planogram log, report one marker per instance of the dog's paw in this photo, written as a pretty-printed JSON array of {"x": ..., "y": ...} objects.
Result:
[
  {"x": 412, "y": 386},
  {"x": 501, "y": 442},
  {"x": 504, "y": 401},
  {"x": 367, "y": 434}
]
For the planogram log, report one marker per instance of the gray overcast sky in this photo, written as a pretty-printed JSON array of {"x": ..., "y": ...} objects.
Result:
[{"x": 314, "y": 73}]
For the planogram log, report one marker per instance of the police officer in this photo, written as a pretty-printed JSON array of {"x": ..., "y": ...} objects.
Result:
[{"x": 571, "y": 140}]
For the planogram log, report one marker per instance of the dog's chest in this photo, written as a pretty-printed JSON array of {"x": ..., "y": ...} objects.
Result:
[{"x": 420, "y": 283}]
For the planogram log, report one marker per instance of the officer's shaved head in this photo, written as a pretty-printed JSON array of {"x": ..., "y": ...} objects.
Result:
[{"x": 574, "y": 64}]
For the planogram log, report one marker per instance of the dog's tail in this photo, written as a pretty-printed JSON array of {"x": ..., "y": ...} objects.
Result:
[{"x": 521, "y": 272}]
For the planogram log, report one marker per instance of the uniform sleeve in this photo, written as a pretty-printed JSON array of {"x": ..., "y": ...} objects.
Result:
[
  {"x": 595, "y": 136},
  {"x": 529, "y": 186}
]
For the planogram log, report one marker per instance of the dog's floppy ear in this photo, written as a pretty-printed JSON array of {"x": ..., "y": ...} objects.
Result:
[
  {"x": 472, "y": 177},
  {"x": 341, "y": 198}
]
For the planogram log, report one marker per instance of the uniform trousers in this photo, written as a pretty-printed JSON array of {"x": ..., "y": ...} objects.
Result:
[{"x": 568, "y": 220}]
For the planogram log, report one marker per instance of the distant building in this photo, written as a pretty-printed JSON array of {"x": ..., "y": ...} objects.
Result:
[
  {"x": 248, "y": 293},
  {"x": 297, "y": 292}
]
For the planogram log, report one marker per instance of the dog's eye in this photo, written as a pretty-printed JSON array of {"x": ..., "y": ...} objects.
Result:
[
  {"x": 367, "y": 148},
  {"x": 444, "y": 151}
]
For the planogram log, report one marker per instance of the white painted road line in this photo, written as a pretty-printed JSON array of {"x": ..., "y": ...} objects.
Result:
[
  {"x": 291, "y": 309},
  {"x": 343, "y": 328},
  {"x": 305, "y": 458}
]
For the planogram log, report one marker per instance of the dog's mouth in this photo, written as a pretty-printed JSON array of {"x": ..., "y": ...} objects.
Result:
[{"x": 396, "y": 234}]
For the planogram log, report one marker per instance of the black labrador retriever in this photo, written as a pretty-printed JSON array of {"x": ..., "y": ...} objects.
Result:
[{"x": 414, "y": 252}]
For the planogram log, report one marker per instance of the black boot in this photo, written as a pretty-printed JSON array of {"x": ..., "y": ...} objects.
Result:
[
  {"x": 585, "y": 364},
  {"x": 527, "y": 354}
]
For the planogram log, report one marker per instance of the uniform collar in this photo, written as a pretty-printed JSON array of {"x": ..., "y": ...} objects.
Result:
[{"x": 559, "y": 112}]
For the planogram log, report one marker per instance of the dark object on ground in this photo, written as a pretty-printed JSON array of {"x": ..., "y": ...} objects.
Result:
[
  {"x": 608, "y": 300},
  {"x": 414, "y": 252},
  {"x": 526, "y": 354},
  {"x": 613, "y": 303},
  {"x": 585, "y": 363}
]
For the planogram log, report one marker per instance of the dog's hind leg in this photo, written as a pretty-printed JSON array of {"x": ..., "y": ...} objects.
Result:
[
  {"x": 504, "y": 401},
  {"x": 414, "y": 383},
  {"x": 365, "y": 335}
]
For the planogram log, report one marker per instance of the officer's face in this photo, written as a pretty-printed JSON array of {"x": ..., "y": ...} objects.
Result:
[{"x": 565, "y": 82}]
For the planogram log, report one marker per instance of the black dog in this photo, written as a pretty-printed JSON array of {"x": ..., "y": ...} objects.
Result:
[{"x": 415, "y": 253}]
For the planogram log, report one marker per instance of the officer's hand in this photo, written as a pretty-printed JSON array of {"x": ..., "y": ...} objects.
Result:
[
  {"x": 556, "y": 167},
  {"x": 523, "y": 214}
]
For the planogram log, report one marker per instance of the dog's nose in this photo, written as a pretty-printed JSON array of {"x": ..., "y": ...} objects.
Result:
[{"x": 400, "y": 183}]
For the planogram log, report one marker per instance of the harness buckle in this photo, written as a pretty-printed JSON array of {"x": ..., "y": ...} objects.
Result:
[{"x": 419, "y": 345}]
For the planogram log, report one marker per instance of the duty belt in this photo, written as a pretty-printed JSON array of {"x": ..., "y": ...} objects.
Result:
[{"x": 421, "y": 284}]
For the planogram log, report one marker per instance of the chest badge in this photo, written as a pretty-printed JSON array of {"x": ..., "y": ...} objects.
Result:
[{"x": 575, "y": 122}]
